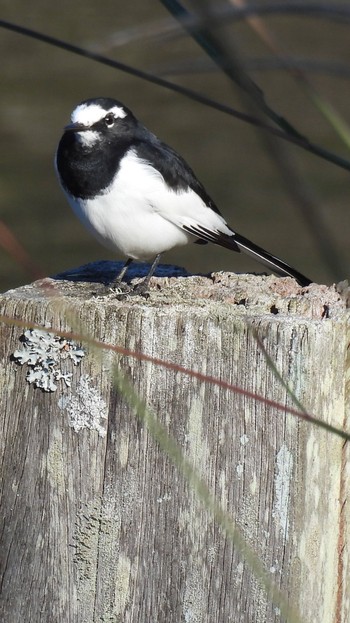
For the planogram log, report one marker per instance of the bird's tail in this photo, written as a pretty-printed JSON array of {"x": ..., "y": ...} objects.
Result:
[
  {"x": 270, "y": 261},
  {"x": 236, "y": 242}
]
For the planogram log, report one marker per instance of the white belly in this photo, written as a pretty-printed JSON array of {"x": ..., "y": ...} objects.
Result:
[{"x": 129, "y": 227}]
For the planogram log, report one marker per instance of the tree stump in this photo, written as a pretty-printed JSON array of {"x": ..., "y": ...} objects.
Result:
[{"x": 100, "y": 524}]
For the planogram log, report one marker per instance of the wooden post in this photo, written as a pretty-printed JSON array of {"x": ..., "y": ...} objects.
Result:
[{"x": 99, "y": 524}]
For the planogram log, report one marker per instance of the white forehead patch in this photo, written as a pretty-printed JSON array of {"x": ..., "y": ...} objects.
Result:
[{"x": 88, "y": 114}]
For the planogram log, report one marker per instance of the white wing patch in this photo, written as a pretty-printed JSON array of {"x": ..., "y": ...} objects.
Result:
[{"x": 179, "y": 208}]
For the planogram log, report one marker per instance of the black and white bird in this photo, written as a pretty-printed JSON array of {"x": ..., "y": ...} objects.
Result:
[{"x": 136, "y": 194}]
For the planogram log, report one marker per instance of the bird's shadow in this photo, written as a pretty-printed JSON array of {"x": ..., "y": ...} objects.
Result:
[{"x": 105, "y": 271}]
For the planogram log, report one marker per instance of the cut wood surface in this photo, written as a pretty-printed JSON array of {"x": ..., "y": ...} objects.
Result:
[{"x": 99, "y": 524}]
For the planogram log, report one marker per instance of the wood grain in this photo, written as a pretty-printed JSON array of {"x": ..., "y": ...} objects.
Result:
[{"x": 99, "y": 525}]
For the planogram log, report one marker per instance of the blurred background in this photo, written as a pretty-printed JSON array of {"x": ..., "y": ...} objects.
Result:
[{"x": 273, "y": 192}]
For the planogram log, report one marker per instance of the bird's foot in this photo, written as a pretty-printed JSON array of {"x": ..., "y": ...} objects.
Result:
[
  {"x": 140, "y": 289},
  {"x": 121, "y": 290},
  {"x": 102, "y": 289}
]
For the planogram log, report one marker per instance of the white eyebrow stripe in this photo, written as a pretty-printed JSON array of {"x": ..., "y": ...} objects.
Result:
[{"x": 88, "y": 114}]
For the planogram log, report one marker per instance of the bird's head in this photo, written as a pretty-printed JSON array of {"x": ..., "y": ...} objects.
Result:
[{"x": 99, "y": 119}]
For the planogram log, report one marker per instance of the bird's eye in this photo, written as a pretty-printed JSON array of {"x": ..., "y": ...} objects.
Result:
[{"x": 109, "y": 120}]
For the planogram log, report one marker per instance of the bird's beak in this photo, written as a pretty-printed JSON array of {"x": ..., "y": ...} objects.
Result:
[{"x": 75, "y": 127}]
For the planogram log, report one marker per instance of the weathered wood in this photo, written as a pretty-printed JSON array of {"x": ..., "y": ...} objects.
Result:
[{"x": 99, "y": 525}]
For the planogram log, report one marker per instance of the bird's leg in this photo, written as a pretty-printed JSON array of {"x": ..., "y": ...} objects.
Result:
[
  {"x": 116, "y": 284},
  {"x": 142, "y": 287},
  {"x": 117, "y": 281}
]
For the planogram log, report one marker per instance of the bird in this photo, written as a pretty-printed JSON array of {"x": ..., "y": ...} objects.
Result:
[{"x": 137, "y": 195}]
